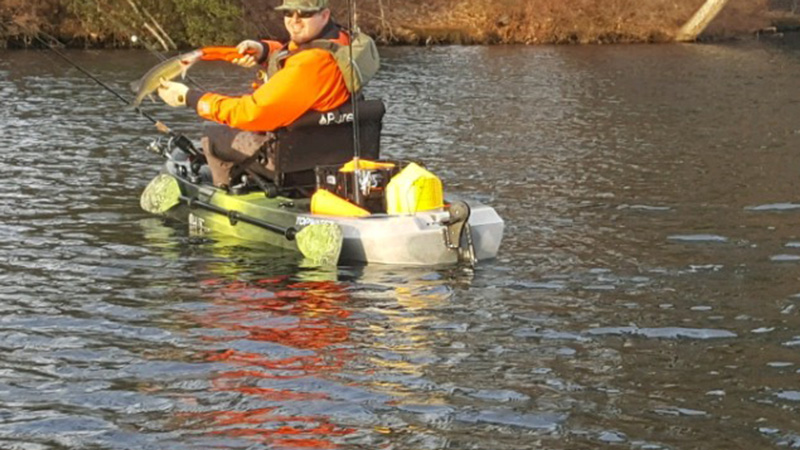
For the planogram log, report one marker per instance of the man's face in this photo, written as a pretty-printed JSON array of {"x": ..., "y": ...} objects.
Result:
[{"x": 303, "y": 27}]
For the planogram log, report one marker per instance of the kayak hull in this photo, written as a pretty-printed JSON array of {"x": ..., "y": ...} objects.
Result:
[{"x": 411, "y": 240}]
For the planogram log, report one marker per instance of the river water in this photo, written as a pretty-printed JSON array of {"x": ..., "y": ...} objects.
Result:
[{"x": 647, "y": 293}]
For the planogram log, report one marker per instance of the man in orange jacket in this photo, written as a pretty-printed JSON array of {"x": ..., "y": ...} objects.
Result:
[{"x": 301, "y": 79}]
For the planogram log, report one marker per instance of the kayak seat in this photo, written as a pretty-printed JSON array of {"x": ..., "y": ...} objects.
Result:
[{"x": 321, "y": 139}]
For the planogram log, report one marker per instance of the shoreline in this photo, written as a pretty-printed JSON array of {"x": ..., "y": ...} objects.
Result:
[
  {"x": 449, "y": 38},
  {"x": 444, "y": 38},
  {"x": 449, "y": 22}
]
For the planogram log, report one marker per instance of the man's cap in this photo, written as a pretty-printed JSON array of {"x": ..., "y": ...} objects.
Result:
[{"x": 303, "y": 5}]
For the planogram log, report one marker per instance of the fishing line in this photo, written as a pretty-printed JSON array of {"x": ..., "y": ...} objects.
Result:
[
  {"x": 87, "y": 73},
  {"x": 180, "y": 140}
]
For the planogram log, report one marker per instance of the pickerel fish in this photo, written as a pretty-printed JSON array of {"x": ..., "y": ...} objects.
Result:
[{"x": 179, "y": 65}]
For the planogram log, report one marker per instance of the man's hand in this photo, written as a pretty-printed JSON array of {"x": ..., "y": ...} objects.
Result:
[
  {"x": 173, "y": 94},
  {"x": 251, "y": 52}
]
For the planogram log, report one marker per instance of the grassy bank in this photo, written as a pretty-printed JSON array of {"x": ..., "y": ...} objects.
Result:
[
  {"x": 190, "y": 23},
  {"x": 553, "y": 21}
]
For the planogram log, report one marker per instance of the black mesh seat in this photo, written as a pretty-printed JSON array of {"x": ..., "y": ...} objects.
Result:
[{"x": 319, "y": 139}]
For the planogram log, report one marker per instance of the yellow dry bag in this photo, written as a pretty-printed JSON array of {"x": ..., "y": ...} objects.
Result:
[{"x": 413, "y": 189}]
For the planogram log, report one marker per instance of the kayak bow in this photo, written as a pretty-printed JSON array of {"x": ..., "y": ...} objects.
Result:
[{"x": 319, "y": 242}]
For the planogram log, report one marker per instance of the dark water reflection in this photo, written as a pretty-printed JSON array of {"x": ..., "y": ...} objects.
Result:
[{"x": 646, "y": 295}]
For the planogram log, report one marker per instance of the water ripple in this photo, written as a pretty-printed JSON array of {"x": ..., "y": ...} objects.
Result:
[
  {"x": 120, "y": 330},
  {"x": 664, "y": 333}
]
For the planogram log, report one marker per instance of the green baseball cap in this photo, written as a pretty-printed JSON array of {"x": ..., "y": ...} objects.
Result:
[{"x": 303, "y": 5}]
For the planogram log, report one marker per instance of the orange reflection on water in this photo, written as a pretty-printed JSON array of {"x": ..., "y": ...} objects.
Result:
[
  {"x": 304, "y": 316},
  {"x": 312, "y": 304},
  {"x": 282, "y": 435}
]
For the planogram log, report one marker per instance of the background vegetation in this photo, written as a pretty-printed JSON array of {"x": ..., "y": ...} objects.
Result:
[{"x": 190, "y": 23}]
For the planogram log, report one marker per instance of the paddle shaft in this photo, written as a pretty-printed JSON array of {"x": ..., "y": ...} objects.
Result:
[{"x": 235, "y": 216}]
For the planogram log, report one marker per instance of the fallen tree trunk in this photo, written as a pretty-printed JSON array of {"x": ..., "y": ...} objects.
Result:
[{"x": 698, "y": 23}]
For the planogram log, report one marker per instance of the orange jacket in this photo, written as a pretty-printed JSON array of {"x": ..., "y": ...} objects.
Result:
[{"x": 309, "y": 80}]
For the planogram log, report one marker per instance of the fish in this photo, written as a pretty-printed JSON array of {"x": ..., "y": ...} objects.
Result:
[
  {"x": 179, "y": 65},
  {"x": 168, "y": 70}
]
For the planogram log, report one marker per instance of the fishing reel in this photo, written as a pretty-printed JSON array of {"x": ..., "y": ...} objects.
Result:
[
  {"x": 188, "y": 161},
  {"x": 159, "y": 147},
  {"x": 166, "y": 148}
]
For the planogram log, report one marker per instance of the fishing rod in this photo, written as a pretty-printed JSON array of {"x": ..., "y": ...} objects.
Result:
[
  {"x": 353, "y": 25},
  {"x": 178, "y": 139}
]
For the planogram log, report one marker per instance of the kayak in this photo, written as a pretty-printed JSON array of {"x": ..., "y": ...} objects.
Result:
[{"x": 460, "y": 231}]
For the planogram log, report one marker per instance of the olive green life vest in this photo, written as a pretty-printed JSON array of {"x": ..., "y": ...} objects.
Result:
[{"x": 365, "y": 58}]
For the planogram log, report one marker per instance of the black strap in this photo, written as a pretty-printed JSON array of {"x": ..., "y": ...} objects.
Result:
[{"x": 243, "y": 166}]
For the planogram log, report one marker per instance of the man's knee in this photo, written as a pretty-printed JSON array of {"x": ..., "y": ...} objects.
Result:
[{"x": 230, "y": 152}]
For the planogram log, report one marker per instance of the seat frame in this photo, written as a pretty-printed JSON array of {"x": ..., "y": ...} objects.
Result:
[{"x": 323, "y": 139}]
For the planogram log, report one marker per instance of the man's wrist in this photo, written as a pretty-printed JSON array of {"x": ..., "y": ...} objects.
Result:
[
  {"x": 264, "y": 54},
  {"x": 193, "y": 97}
]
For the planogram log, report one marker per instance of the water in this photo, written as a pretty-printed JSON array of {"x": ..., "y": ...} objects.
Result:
[{"x": 646, "y": 295}]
